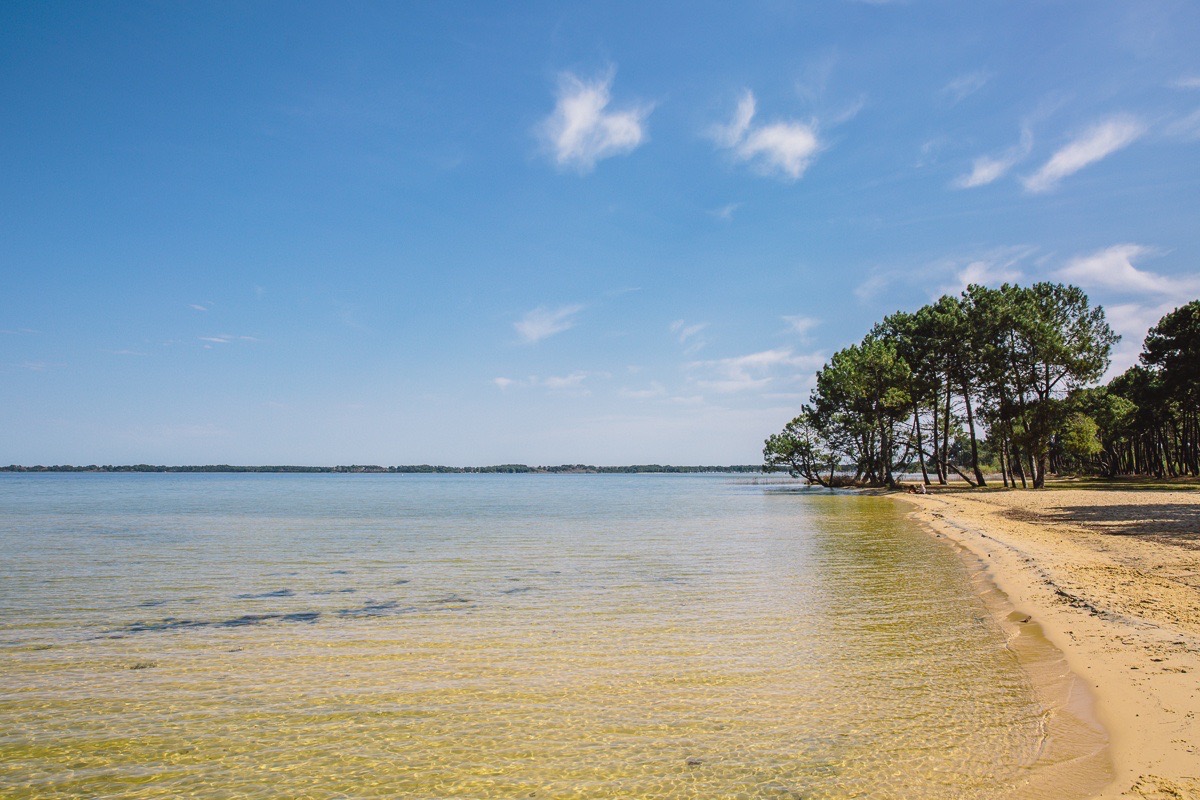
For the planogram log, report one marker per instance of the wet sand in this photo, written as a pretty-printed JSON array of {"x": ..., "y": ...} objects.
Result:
[{"x": 1111, "y": 578}]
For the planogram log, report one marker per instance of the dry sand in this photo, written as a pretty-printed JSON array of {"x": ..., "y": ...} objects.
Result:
[{"x": 1112, "y": 578}]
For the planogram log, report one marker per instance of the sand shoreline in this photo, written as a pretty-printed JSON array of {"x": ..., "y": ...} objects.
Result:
[{"x": 1111, "y": 578}]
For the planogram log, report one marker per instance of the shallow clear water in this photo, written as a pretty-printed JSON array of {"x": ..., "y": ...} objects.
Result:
[{"x": 491, "y": 636}]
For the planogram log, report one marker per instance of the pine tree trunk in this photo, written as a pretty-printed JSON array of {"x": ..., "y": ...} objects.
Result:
[
  {"x": 971, "y": 433},
  {"x": 1003, "y": 461},
  {"x": 920, "y": 444},
  {"x": 946, "y": 433}
]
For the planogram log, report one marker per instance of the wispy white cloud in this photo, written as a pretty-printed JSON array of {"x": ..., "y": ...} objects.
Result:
[
  {"x": 813, "y": 81},
  {"x": 197, "y": 307},
  {"x": 126, "y": 352},
  {"x": 992, "y": 270},
  {"x": 986, "y": 169},
  {"x": 581, "y": 130},
  {"x": 571, "y": 383},
  {"x": 655, "y": 390},
  {"x": 752, "y": 371},
  {"x": 801, "y": 325},
  {"x": 964, "y": 86},
  {"x": 1132, "y": 321},
  {"x": 1187, "y": 82},
  {"x": 1185, "y": 128},
  {"x": 870, "y": 287},
  {"x": 845, "y": 113},
  {"x": 987, "y": 273},
  {"x": 1112, "y": 268},
  {"x": 560, "y": 383},
  {"x": 685, "y": 332},
  {"x": 930, "y": 149},
  {"x": 725, "y": 212},
  {"x": 226, "y": 338},
  {"x": 782, "y": 149},
  {"x": 1094, "y": 144},
  {"x": 1111, "y": 271},
  {"x": 731, "y": 134},
  {"x": 542, "y": 322}
]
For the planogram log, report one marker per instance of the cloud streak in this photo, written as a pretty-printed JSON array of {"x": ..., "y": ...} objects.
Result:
[
  {"x": 801, "y": 325},
  {"x": 1147, "y": 295},
  {"x": 990, "y": 269},
  {"x": 571, "y": 383},
  {"x": 1185, "y": 128},
  {"x": 725, "y": 212},
  {"x": 655, "y": 390},
  {"x": 964, "y": 86},
  {"x": 781, "y": 149},
  {"x": 581, "y": 130},
  {"x": 542, "y": 322},
  {"x": 1112, "y": 268},
  {"x": 1094, "y": 144},
  {"x": 685, "y": 331},
  {"x": 987, "y": 169},
  {"x": 870, "y": 287},
  {"x": 564, "y": 382},
  {"x": 225, "y": 338},
  {"x": 752, "y": 371}
]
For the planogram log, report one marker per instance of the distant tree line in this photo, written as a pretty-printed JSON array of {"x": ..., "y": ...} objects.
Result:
[
  {"x": 998, "y": 380},
  {"x": 410, "y": 469}
]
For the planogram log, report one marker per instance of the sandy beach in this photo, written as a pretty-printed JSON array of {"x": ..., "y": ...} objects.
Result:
[{"x": 1111, "y": 577}]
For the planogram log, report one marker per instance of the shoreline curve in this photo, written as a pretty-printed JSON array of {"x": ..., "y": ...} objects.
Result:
[{"x": 1111, "y": 642}]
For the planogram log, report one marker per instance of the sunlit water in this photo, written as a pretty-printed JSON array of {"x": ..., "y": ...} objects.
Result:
[{"x": 490, "y": 636}]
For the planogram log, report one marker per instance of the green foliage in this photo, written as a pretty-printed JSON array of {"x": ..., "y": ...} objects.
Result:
[
  {"x": 802, "y": 448},
  {"x": 1172, "y": 348},
  {"x": 913, "y": 390},
  {"x": 1080, "y": 437},
  {"x": 1152, "y": 424}
]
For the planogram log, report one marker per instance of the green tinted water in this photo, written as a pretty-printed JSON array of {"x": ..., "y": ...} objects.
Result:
[{"x": 490, "y": 637}]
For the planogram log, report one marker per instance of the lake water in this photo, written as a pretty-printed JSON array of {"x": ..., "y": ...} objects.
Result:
[{"x": 491, "y": 636}]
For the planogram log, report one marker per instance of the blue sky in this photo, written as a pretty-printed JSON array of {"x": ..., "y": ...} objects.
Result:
[{"x": 470, "y": 233}]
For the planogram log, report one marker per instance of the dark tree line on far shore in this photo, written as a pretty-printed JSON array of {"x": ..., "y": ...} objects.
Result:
[{"x": 999, "y": 381}]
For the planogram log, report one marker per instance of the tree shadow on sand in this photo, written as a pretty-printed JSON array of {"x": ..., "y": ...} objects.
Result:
[{"x": 1168, "y": 523}]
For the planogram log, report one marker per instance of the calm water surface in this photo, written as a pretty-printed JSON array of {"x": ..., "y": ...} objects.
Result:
[{"x": 490, "y": 636}]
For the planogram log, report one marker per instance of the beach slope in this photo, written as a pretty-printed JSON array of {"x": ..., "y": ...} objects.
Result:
[{"x": 1112, "y": 576}]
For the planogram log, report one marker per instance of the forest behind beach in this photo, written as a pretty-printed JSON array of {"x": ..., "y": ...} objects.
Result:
[{"x": 1002, "y": 381}]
